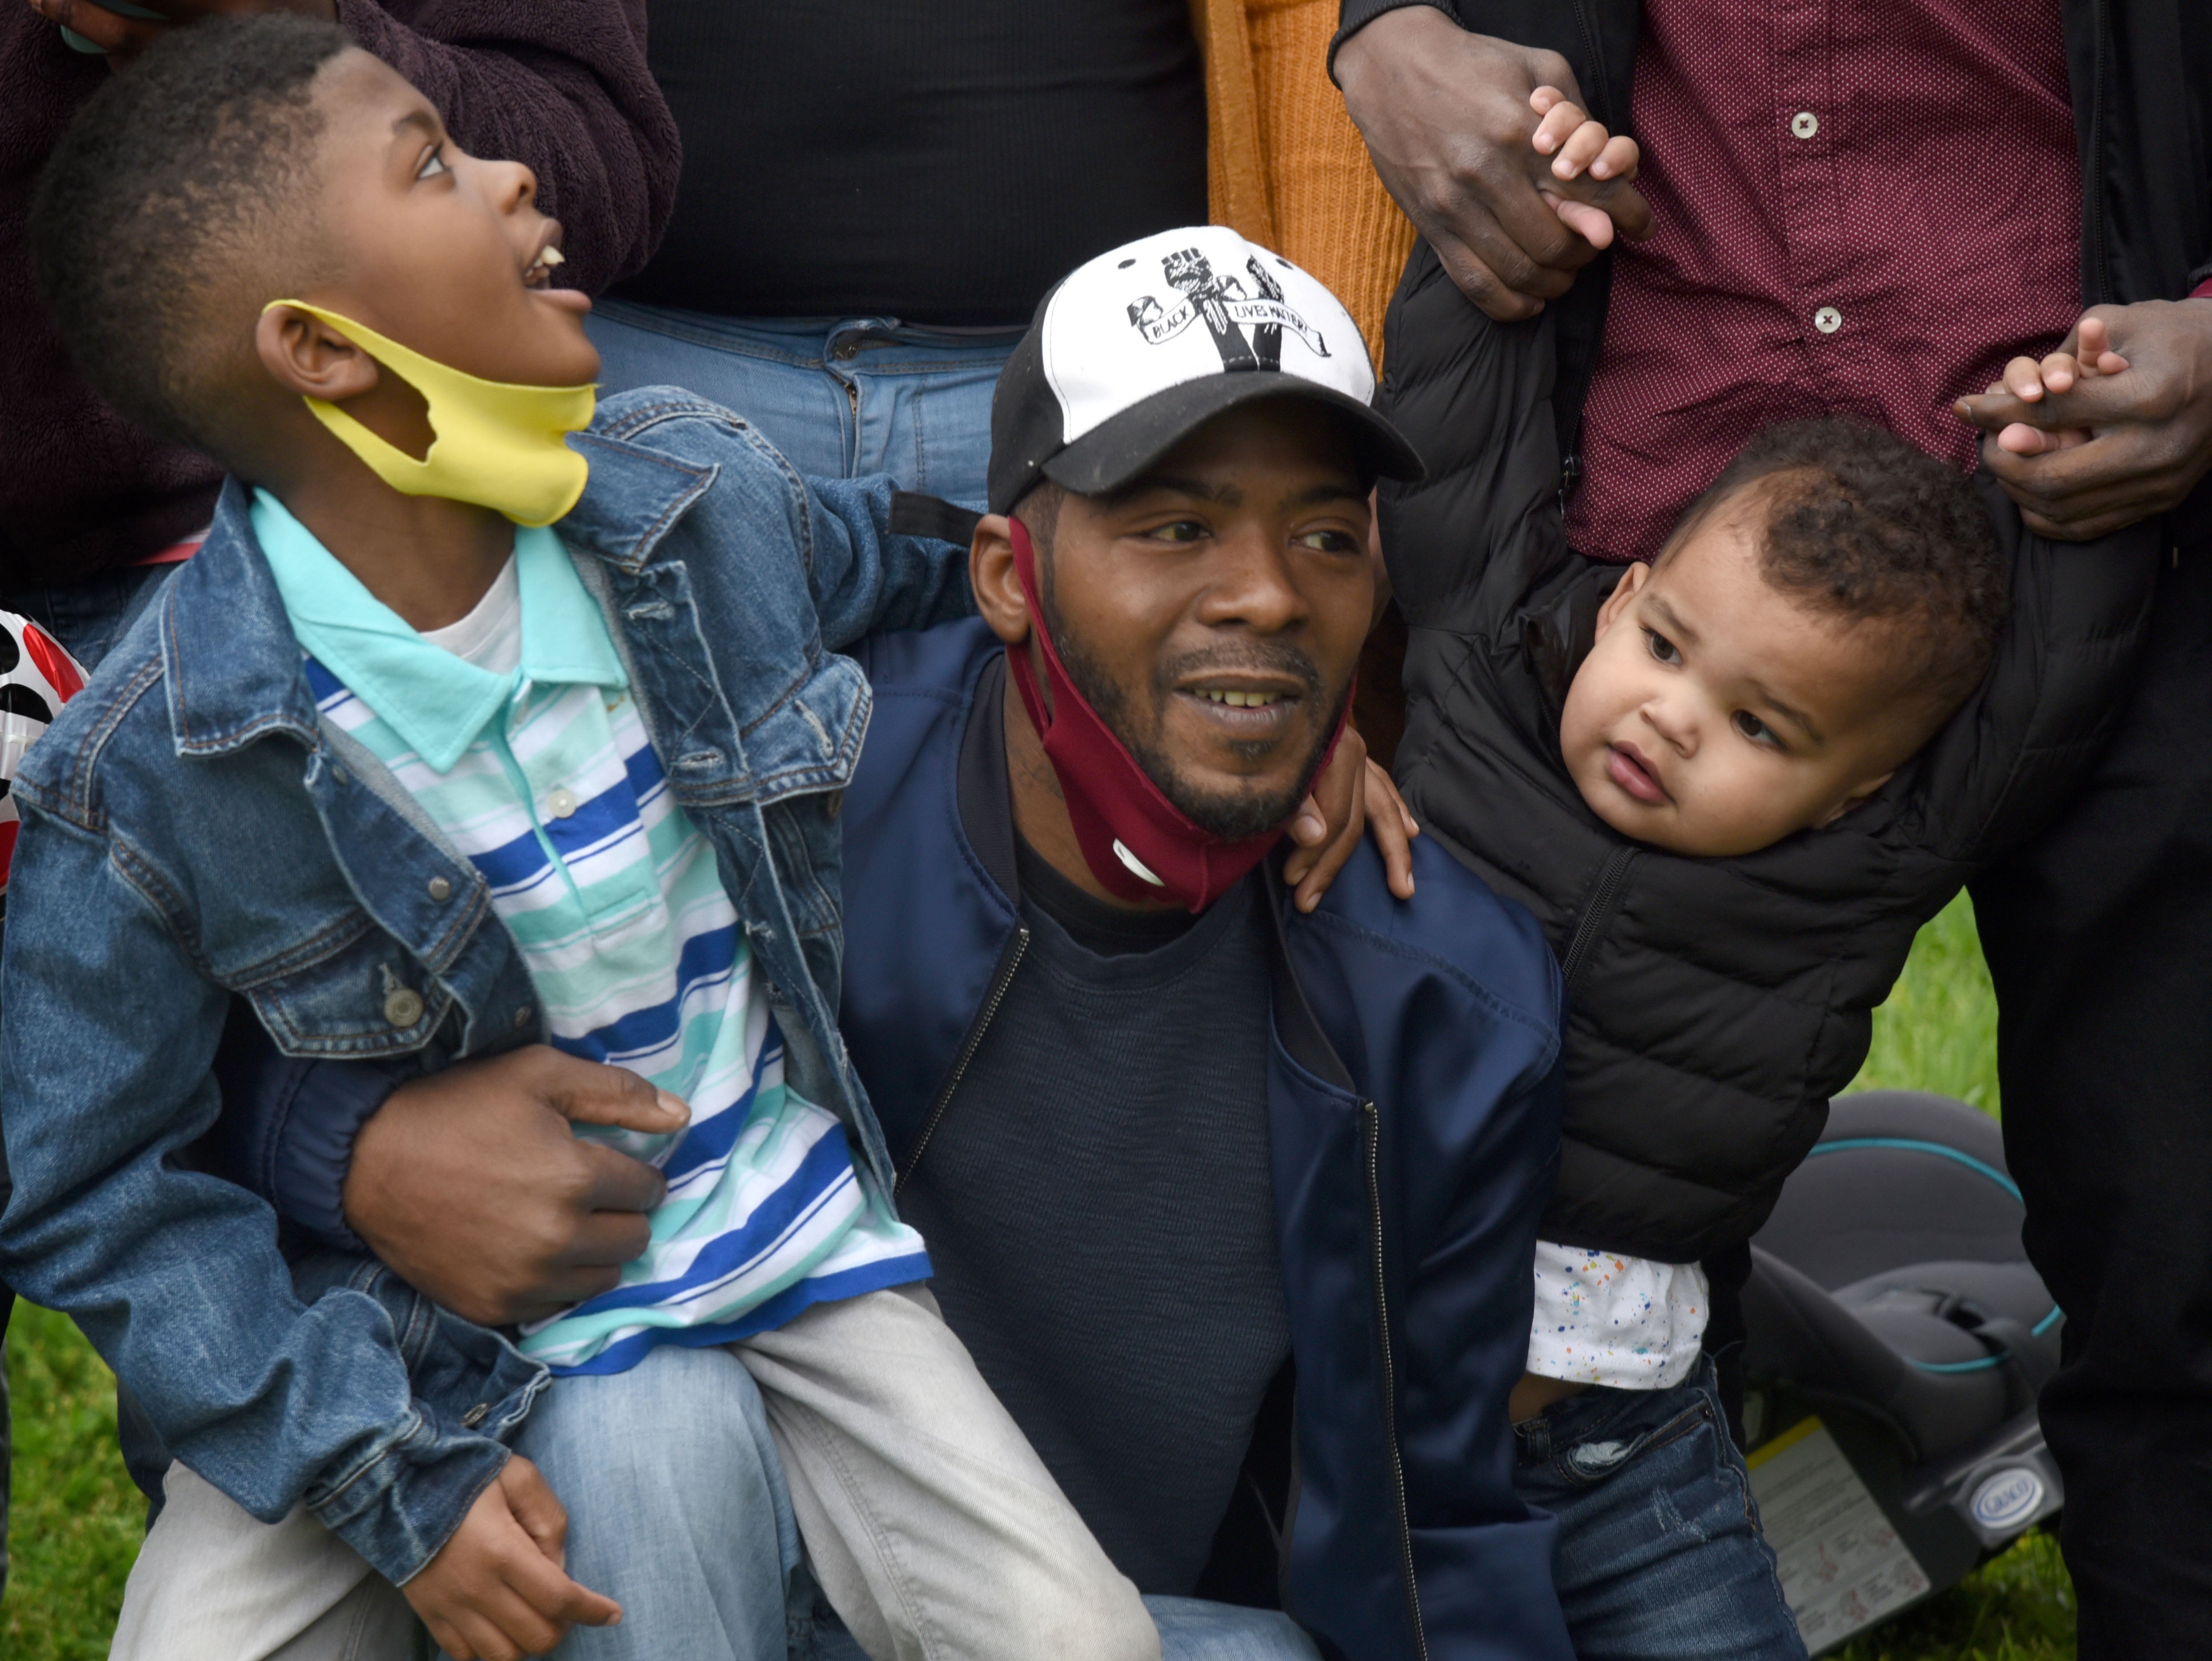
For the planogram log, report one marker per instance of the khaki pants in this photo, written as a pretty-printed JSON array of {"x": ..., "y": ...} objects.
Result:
[{"x": 933, "y": 1529}]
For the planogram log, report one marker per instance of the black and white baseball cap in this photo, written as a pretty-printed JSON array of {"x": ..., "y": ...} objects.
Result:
[{"x": 1133, "y": 352}]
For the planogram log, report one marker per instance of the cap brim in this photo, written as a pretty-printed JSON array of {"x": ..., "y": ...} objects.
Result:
[{"x": 1118, "y": 450}]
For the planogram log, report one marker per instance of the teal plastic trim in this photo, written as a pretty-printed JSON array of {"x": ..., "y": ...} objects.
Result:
[
  {"x": 1913, "y": 1145},
  {"x": 1982, "y": 1365}
]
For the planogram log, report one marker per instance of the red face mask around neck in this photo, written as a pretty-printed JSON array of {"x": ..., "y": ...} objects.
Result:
[{"x": 1139, "y": 844}]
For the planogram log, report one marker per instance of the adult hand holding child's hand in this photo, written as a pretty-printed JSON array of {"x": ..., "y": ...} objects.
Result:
[
  {"x": 2086, "y": 455},
  {"x": 471, "y": 1184},
  {"x": 1448, "y": 119}
]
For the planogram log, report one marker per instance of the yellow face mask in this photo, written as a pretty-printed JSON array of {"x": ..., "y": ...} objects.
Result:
[{"x": 497, "y": 444}]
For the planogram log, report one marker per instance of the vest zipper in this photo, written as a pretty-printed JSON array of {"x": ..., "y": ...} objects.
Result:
[
  {"x": 1604, "y": 901},
  {"x": 1372, "y": 1128},
  {"x": 992, "y": 1000}
]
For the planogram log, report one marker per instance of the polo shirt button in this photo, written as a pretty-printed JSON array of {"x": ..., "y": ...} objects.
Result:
[
  {"x": 441, "y": 890},
  {"x": 403, "y": 1006},
  {"x": 1827, "y": 319},
  {"x": 561, "y": 801},
  {"x": 1804, "y": 124}
]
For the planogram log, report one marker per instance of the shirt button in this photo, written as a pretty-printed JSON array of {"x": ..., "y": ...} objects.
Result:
[
  {"x": 441, "y": 890},
  {"x": 1827, "y": 319},
  {"x": 403, "y": 1006},
  {"x": 561, "y": 801},
  {"x": 522, "y": 1018},
  {"x": 1804, "y": 124}
]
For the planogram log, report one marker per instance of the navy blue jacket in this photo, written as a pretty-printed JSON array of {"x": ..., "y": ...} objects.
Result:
[
  {"x": 1414, "y": 1096},
  {"x": 1413, "y": 1092}
]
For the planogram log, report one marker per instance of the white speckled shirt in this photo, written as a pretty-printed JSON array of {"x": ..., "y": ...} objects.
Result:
[{"x": 1602, "y": 1319}]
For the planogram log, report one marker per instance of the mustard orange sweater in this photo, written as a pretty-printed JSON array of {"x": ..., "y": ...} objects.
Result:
[{"x": 1284, "y": 165}]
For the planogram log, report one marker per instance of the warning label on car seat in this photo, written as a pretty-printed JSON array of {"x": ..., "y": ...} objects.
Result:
[{"x": 1843, "y": 1566}]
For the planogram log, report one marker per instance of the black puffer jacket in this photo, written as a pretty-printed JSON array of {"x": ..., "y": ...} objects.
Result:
[{"x": 1716, "y": 1004}]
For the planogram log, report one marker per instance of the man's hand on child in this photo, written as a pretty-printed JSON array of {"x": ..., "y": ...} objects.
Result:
[
  {"x": 471, "y": 1184},
  {"x": 496, "y": 1591},
  {"x": 1352, "y": 796},
  {"x": 1578, "y": 145}
]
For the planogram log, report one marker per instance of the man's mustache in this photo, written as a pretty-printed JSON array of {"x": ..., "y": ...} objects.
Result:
[{"x": 1253, "y": 657}]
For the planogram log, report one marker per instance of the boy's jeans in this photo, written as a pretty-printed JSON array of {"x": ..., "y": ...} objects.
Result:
[
  {"x": 840, "y": 397},
  {"x": 684, "y": 1478},
  {"x": 1660, "y": 1554}
]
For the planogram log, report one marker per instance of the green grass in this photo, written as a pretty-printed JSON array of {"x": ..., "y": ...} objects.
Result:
[{"x": 77, "y": 1517}]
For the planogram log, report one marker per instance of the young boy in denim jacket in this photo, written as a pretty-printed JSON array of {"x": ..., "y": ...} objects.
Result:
[{"x": 455, "y": 733}]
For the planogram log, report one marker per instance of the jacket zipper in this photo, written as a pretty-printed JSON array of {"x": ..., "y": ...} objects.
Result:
[
  {"x": 996, "y": 996},
  {"x": 2092, "y": 179},
  {"x": 1605, "y": 899},
  {"x": 1373, "y": 1128},
  {"x": 1602, "y": 97}
]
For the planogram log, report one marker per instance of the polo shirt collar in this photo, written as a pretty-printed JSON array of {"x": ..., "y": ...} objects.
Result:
[{"x": 436, "y": 702}]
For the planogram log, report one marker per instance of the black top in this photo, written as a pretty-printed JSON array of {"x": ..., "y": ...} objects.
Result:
[
  {"x": 1098, "y": 1206},
  {"x": 932, "y": 162},
  {"x": 1714, "y": 1005}
]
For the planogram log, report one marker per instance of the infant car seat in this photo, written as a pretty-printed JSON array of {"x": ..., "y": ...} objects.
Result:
[{"x": 1896, "y": 1340}]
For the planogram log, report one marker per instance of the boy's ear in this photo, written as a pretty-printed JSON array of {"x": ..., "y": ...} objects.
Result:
[
  {"x": 996, "y": 585},
  {"x": 304, "y": 355},
  {"x": 1632, "y": 583}
]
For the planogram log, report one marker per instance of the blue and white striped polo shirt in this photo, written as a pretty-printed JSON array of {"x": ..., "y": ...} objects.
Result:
[{"x": 530, "y": 757}]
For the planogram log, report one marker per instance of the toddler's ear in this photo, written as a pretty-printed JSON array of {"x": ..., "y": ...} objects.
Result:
[
  {"x": 304, "y": 355},
  {"x": 1858, "y": 796},
  {"x": 1632, "y": 579}
]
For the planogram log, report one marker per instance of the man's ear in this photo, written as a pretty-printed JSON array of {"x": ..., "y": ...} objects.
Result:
[
  {"x": 1631, "y": 584},
  {"x": 1858, "y": 796},
  {"x": 304, "y": 355},
  {"x": 996, "y": 585}
]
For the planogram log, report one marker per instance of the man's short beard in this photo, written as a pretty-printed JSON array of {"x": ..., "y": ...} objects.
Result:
[{"x": 1231, "y": 818}]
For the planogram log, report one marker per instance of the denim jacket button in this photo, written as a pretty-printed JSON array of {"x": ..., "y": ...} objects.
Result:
[
  {"x": 476, "y": 1415},
  {"x": 441, "y": 890},
  {"x": 832, "y": 805},
  {"x": 522, "y": 1018},
  {"x": 403, "y": 1006}
]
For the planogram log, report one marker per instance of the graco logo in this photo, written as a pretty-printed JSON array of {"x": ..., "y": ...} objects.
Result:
[{"x": 2009, "y": 1496}]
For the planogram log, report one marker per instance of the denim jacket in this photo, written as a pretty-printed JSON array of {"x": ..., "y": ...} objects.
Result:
[{"x": 192, "y": 833}]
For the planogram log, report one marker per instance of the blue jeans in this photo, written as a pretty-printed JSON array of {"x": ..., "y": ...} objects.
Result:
[
  {"x": 676, "y": 1507},
  {"x": 677, "y": 1511},
  {"x": 1659, "y": 1556},
  {"x": 840, "y": 397},
  {"x": 1191, "y": 1629}
]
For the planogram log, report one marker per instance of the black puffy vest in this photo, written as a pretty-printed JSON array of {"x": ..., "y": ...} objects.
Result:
[{"x": 1715, "y": 1004}]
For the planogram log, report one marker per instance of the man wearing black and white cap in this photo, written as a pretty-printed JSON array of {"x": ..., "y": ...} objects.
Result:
[
  {"x": 1230, "y": 1194},
  {"x": 1206, "y": 1178}
]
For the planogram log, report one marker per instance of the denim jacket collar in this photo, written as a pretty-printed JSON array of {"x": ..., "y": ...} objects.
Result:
[{"x": 232, "y": 665}]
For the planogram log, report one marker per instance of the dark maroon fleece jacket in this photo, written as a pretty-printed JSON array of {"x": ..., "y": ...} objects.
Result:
[{"x": 560, "y": 84}]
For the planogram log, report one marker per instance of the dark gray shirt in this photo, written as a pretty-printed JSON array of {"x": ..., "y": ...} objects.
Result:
[{"x": 1098, "y": 1204}]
